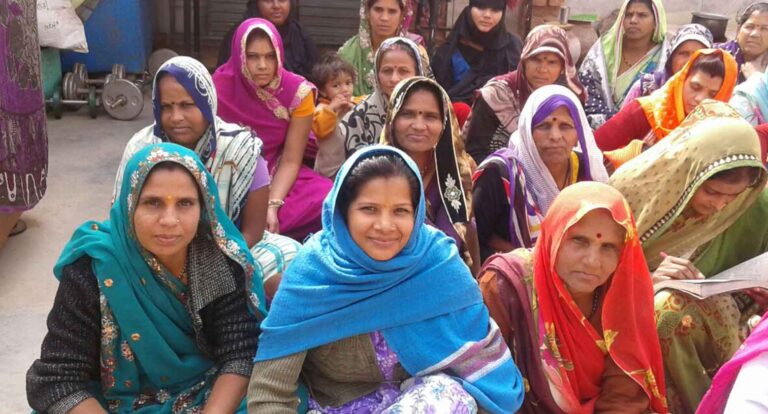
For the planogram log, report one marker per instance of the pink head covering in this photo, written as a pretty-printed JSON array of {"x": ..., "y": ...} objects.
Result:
[{"x": 274, "y": 103}]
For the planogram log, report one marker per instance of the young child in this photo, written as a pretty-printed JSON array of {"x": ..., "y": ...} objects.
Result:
[{"x": 334, "y": 78}]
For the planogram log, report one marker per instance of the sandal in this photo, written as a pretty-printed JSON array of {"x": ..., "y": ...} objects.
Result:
[{"x": 19, "y": 228}]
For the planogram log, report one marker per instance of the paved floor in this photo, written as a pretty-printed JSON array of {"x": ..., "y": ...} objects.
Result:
[{"x": 83, "y": 158}]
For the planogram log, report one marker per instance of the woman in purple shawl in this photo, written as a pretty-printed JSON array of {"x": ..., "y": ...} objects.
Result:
[
  {"x": 255, "y": 90},
  {"x": 23, "y": 138},
  {"x": 750, "y": 47}
]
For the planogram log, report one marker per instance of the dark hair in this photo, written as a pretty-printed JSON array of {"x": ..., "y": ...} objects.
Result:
[
  {"x": 370, "y": 3},
  {"x": 712, "y": 65},
  {"x": 375, "y": 166},
  {"x": 738, "y": 175},
  {"x": 648, "y": 3},
  {"x": 431, "y": 88},
  {"x": 258, "y": 34},
  {"x": 759, "y": 7},
  {"x": 400, "y": 45},
  {"x": 329, "y": 67}
]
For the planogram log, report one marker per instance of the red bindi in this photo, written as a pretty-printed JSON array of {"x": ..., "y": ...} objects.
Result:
[{"x": 599, "y": 236}]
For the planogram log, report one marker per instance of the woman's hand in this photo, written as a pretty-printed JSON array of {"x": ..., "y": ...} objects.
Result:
[
  {"x": 273, "y": 223},
  {"x": 675, "y": 268}
]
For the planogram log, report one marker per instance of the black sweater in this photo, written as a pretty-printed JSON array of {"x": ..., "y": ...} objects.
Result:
[{"x": 224, "y": 330}]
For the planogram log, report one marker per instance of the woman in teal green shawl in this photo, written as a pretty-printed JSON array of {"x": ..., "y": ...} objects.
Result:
[
  {"x": 634, "y": 45},
  {"x": 151, "y": 314}
]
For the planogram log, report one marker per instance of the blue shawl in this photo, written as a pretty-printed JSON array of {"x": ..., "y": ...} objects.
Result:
[
  {"x": 424, "y": 301},
  {"x": 147, "y": 334}
]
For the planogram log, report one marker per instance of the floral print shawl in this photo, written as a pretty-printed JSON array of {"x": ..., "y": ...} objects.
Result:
[
  {"x": 451, "y": 210},
  {"x": 660, "y": 182},
  {"x": 146, "y": 342},
  {"x": 571, "y": 351}
]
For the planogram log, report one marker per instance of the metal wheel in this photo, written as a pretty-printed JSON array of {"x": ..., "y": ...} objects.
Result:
[
  {"x": 122, "y": 99},
  {"x": 93, "y": 105},
  {"x": 58, "y": 106},
  {"x": 68, "y": 86}
]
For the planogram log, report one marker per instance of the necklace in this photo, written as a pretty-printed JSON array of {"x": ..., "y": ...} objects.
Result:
[
  {"x": 184, "y": 276},
  {"x": 595, "y": 303}
]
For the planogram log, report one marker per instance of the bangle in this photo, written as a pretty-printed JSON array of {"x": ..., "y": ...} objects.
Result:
[{"x": 275, "y": 203}]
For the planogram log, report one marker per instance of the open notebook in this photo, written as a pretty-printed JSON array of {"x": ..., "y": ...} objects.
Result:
[{"x": 751, "y": 274}]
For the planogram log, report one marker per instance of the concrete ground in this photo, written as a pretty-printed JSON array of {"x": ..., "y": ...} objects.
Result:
[{"x": 83, "y": 157}]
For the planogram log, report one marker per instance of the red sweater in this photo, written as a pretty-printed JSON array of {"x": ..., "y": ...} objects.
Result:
[{"x": 628, "y": 124}]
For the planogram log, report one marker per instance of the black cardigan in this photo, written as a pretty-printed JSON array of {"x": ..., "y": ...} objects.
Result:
[{"x": 224, "y": 330}]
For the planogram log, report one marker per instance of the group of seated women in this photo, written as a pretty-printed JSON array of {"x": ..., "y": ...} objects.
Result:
[{"x": 268, "y": 254}]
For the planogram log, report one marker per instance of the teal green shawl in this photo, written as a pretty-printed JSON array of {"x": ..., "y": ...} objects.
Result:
[{"x": 150, "y": 362}]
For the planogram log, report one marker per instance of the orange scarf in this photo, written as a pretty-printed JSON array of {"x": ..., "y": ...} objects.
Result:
[
  {"x": 664, "y": 108},
  {"x": 573, "y": 351}
]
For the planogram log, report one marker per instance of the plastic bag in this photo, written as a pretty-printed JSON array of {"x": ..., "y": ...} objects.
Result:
[{"x": 58, "y": 26}]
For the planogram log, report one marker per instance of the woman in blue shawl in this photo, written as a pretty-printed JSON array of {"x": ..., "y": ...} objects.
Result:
[
  {"x": 151, "y": 314},
  {"x": 378, "y": 313}
]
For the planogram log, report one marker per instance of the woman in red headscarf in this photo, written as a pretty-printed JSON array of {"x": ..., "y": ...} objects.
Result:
[{"x": 577, "y": 311}]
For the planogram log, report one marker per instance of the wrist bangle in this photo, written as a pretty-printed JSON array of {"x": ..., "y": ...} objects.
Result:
[{"x": 275, "y": 203}]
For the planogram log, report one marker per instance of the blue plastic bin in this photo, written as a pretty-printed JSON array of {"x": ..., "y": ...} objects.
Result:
[{"x": 118, "y": 31}]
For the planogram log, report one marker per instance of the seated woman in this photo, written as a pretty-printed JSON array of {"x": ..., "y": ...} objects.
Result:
[
  {"x": 739, "y": 386},
  {"x": 685, "y": 191},
  {"x": 750, "y": 48},
  {"x": 478, "y": 48},
  {"x": 300, "y": 50},
  {"x": 333, "y": 323},
  {"x": 552, "y": 148},
  {"x": 546, "y": 60},
  {"x": 184, "y": 101},
  {"x": 420, "y": 121},
  {"x": 577, "y": 311},
  {"x": 150, "y": 314},
  {"x": 750, "y": 99},
  {"x": 379, "y": 20},
  {"x": 634, "y": 45},
  {"x": 709, "y": 74},
  {"x": 396, "y": 59},
  {"x": 259, "y": 93},
  {"x": 688, "y": 39}
]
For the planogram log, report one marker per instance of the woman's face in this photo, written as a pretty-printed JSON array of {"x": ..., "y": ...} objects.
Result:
[
  {"x": 555, "y": 137},
  {"x": 180, "y": 117},
  {"x": 261, "y": 60},
  {"x": 683, "y": 53},
  {"x": 590, "y": 252},
  {"x": 485, "y": 19},
  {"x": 381, "y": 218},
  {"x": 385, "y": 17},
  {"x": 714, "y": 195},
  {"x": 698, "y": 87},
  {"x": 543, "y": 69},
  {"x": 167, "y": 214},
  {"x": 639, "y": 22},
  {"x": 395, "y": 65},
  {"x": 276, "y": 11},
  {"x": 753, "y": 36},
  {"x": 418, "y": 125}
]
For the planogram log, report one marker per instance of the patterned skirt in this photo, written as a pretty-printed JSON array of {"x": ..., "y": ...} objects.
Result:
[{"x": 697, "y": 337}]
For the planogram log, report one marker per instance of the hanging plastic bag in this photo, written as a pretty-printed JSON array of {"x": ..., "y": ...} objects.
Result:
[{"x": 58, "y": 26}]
